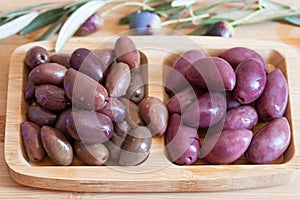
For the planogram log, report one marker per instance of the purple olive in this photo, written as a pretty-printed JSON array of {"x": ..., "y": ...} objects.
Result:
[
  {"x": 222, "y": 29},
  {"x": 182, "y": 142},
  {"x": 145, "y": 23},
  {"x": 91, "y": 25}
]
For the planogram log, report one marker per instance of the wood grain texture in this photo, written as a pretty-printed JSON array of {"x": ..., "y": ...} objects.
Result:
[
  {"x": 156, "y": 173},
  {"x": 270, "y": 31}
]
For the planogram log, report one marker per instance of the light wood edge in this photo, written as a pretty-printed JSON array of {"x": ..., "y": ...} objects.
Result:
[{"x": 172, "y": 179}]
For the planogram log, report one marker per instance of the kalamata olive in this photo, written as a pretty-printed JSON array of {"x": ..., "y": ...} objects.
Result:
[
  {"x": 48, "y": 73},
  {"x": 114, "y": 146},
  {"x": 145, "y": 23},
  {"x": 61, "y": 58},
  {"x": 250, "y": 81},
  {"x": 182, "y": 142},
  {"x": 136, "y": 89},
  {"x": 87, "y": 62},
  {"x": 106, "y": 57},
  {"x": 221, "y": 28},
  {"x": 176, "y": 80},
  {"x": 118, "y": 80},
  {"x": 114, "y": 109},
  {"x": 122, "y": 127},
  {"x": 89, "y": 127},
  {"x": 273, "y": 101},
  {"x": 243, "y": 117},
  {"x": 155, "y": 114},
  {"x": 127, "y": 52},
  {"x": 236, "y": 55},
  {"x": 29, "y": 90},
  {"x": 133, "y": 116},
  {"x": 136, "y": 147},
  {"x": 270, "y": 142},
  {"x": 91, "y": 154},
  {"x": 61, "y": 121},
  {"x": 32, "y": 141},
  {"x": 229, "y": 147},
  {"x": 83, "y": 91},
  {"x": 181, "y": 100},
  {"x": 208, "y": 110},
  {"x": 56, "y": 146},
  {"x": 40, "y": 116},
  {"x": 35, "y": 56},
  {"x": 91, "y": 25},
  {"x": 211, "y": 73},
  {"x": 231, "y": 103},
  {"x": 51, "y": 97}
]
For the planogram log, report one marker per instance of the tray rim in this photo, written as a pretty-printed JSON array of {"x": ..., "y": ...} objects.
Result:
[{"x": 24, "y": 174}]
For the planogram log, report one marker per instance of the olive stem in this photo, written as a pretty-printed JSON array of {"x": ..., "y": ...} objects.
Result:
[
  {"x": 143, "y": 5},
  {"x": 188, "y": 19},
  {"x": 244, "y": 19}
]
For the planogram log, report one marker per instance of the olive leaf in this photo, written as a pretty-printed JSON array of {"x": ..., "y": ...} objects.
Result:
[
  {"x": 43, "y": 19},
  {"x": 272, "y": 5},
  {"x": 152, "y": 1},
  {"x": 76, "y": 20},
  {"x": 24, "y": 10},
  {"x": 293, "y": 20},
  {"x": 17, "y": 24}
]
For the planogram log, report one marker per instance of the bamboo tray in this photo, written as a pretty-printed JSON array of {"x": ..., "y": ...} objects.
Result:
[{"x": 156, "y": 174}]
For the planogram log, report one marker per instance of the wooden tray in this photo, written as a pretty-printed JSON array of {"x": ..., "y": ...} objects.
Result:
[{"x": 156, "y": 174}]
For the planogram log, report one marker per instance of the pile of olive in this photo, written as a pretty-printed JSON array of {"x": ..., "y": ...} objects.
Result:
[
  {"x": 90, "y": 104},
  {"x": 235, "y": 99}
]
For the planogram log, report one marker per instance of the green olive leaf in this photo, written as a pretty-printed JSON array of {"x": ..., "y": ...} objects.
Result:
[
  {"x": 43, "y": 19},
  {"x": 75, "y": 20},
  {"x": 293, "y": 20},
  {"x": 152, "y": 1},
  {"x": 126, "y": 19},
  {"x": 14, "y": 26},
  {"x": 272, "y": 5}
]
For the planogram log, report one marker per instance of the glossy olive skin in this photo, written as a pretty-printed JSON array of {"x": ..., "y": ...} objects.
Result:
[
  {"x": 250, "y": 81},
  {"x": 236, "y": 55},
  {"x": 155, "y": 114},
  {"x": 211, "y": 73},
  {"x": 89, "y": 127},
  {"x": 29, "y": 90},
  {"x": 208, "y": 110},
  {"x": 35, "y": 56},
  {"x": 136, "y": 147},
  {"x": 133, "y": 116},
  {"x": 106, "y": 57},
  {"x": 61, "y": 58},
  {"x": 61, "y": 121},
  {"x": 182, "y": 142},
  {"x": 220, "y": 28},
  {"x": 136, "y": 89},
  {"x": 91, "y": 154},
  {"x": 176, "y": 80},
  {"x": 32, "y": 141},
  {"x": 114, "y": 109},
  {"x": 145, "y": 23},
  {"x": 48, "y": 73},
  {"x": 83, "y": 91},
  {"x": 243, "y": 117},
  {"x": 273, "y": 101},
  {"x": 118, "y": 80},
  {"x": 127, "y": 52},
  {"x": 114, "y": 146},
  {"x": 51, "y": 97},
  {"x": 182, "y": 99},
  {"x": 40, "y": 116},
  {"x": 270, "y": 142},
  {"x": 57, "y": 146},
  {"x": 230, "y": 146},
  {"x": 87, "y": 62}
]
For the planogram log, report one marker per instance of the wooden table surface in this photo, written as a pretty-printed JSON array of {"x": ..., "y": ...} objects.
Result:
[{"x": 9, "y": 189}]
